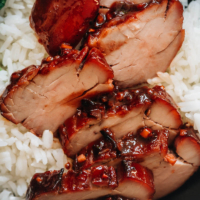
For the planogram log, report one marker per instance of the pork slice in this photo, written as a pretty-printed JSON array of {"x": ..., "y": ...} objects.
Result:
[
  {"x": 73, "y": 143},
  {"x": 169, "y": 171},
  {"x": 187, "y": 145},
  {"x": 141, "y": 43},
  {"x": 168, "y": 178},
  {"x": 145, "y": 146},
  {"x": 64, "y": 21},
  {"x": 122, "y": 112},
  {"x": 109, "y": 3},
  {"x": 155, "y": 126},
  {"x": 133, "y": 175},
  {"x": 163, "y": 113},
  {"x": 43, "y": 97},
  {"x": 131, "y": 180}
]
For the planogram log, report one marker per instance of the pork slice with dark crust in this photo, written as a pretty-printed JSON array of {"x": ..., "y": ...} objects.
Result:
[
  {"x": 109, "y": 3},
  {"x": 139, "y": 43},
  {"x": 63, "y": 21},
  {"x": 122, "y": 112},
  {"x": 43, "y": 97},
  {"x": 146, "y": 146},
  {"x": 131, "y": 181},
  {"x": 187, "y": 145}
]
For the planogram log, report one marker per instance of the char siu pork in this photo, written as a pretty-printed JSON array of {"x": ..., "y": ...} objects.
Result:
[
  {"x": 43, "y": 97},
  {"x": 139, "y": 40},
  {"x": 146, "y": 147},
  {"x": 64, "y": 21},
  {"x": 131, "y": 180},
  {"x": 122, "y": 112},
  {"x": 188, "y": 145},
  {"x": 169, "y": 177},
  {"x": 109, "y": 3}
]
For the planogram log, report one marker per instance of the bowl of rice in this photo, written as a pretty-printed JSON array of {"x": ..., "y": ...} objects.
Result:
[{"x": 22, "y": 154}]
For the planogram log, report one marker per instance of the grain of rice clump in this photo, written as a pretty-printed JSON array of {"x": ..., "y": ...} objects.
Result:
[{"x": 21, "y": 153}]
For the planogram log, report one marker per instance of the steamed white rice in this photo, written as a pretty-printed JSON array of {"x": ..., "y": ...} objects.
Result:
[
  {"x": 182, "y": 81},
  {"x": 21, "y": 153}
]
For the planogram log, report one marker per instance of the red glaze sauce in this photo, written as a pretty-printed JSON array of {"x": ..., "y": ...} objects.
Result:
[
  {"x": 134, "y": 171},
  {"x": 120, "y": 103},
  {"x": 132, "y": 147},
  {"x": 135, "y": 147},
  {"x": 56, "y": 22},
  {"x": 44, "y": 182},
  {"x": 104, "y": 176}
]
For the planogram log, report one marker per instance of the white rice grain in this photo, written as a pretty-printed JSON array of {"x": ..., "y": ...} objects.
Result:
[
  {"x": 47, "y": 139},
  {"x": 6, "y": 44},
  {"x": 21, "y": 153}
]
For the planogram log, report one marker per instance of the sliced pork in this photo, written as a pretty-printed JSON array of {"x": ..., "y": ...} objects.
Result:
[
  {"x": 122, "y": 112},
  {"x": 168, "y": 177},
  {"x": 187, "y": 145},
  {"x": 146, "y": 147},
  {"x": 64, "y": 21},
  {"x": 139, "y": 40},
  {"x": 109, "y": 3},
  {"x": 43, "y": 97},
  {"x": 131, "y": 181}
]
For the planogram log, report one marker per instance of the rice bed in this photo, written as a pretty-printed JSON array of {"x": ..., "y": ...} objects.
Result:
[{"x": 21, "y": 153}]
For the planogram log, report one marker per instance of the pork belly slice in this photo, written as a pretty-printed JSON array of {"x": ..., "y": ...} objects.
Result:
[
  {"x": 139, "y": 43},
  {"x": 168, "y": 178},
  {"x": 187, "y": 145},
  {"x": 146, "y": 146},
  {"x": 131, "y": 181},
  {"x": 43, "y": 97},
  {"x": 64, "y": 21},
  {"x": 122, "y": 112}
]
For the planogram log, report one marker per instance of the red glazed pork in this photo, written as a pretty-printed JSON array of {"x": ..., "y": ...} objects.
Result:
[
  {"x": 43, "y": 97},
  {"x": 122, "y": 112},
  {"x": 63, "y": 21},
  {"x": 147, "y": 147},
  {"x": 139, "y": 40},
  {"x": 169, "y": 177},
  {"x": 188, "y": 145},
  {"x": 131, "y": 180},
  {"x": 109, "y": 3}
]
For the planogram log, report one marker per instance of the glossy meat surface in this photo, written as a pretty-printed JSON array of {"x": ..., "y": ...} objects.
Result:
[
  {"x": 62, "y": 21},
  {"x": 93, "y": 183},
  {"x": 187, "y": 145},
  {"x": 43, "y": 97},
  {"x": 138, "y": 44},
  {"x": 122, "y": 112},
  {"x": 109, "y": 3},
  {"x": 132, "y": 147}
]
